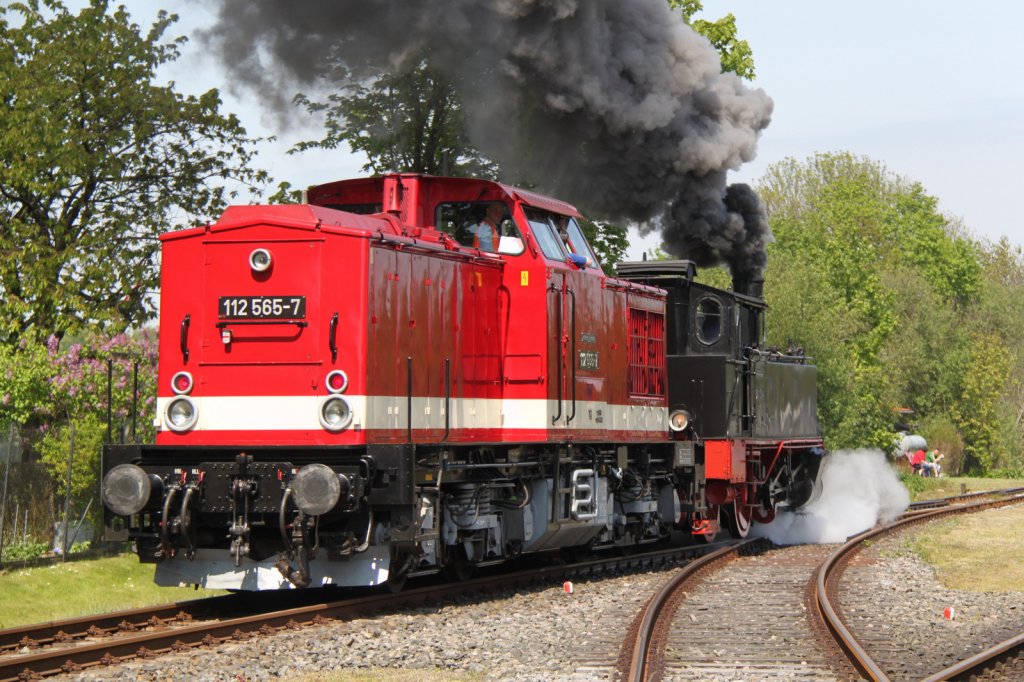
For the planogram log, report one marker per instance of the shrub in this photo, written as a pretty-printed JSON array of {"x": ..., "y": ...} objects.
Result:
[
  {"x": 1006, "y": 473},
  {"x": 54, "y": 447},
  {"x": 24, "y": 551},
  {"x": 913, "y": 483}
]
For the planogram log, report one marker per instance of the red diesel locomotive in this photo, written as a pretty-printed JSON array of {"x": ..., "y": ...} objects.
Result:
[{"x": 381, "y": 383}]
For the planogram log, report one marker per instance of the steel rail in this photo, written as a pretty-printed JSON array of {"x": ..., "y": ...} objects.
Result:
[
  {"x": 832, "y": 567},
  {"x": 946, "y": 501},
  {"x": 62, "y": 630},
  {"x": 56, "y": 660},
  {"x": 641, "y": 664},
  {"x": 969, "y": 668}
]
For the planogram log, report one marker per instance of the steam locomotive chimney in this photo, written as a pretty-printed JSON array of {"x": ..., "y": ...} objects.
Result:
[{"x": 749, "y": 284}]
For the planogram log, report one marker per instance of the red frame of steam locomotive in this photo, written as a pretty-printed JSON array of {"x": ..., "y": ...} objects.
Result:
[{"x": 365, "y": 302}]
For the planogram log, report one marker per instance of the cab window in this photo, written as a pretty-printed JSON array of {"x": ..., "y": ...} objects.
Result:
[
  {"x": 577, "y": 243},
  {"x": 561, "y": 238},
  {"x": 709, "y": 320},
  {"x": 478, "y": 224},
  {"x": 544, "y": 233}
]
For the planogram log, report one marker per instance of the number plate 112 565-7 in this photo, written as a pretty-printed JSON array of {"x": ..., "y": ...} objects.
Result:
[{"x": 261, "y": 307}]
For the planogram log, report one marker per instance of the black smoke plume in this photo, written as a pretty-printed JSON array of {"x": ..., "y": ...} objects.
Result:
[{"x": 615, "y": 105}]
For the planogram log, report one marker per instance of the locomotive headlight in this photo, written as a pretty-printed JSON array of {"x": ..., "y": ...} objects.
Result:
[
  {"x": 260, "y": 260},
  {"x": 679, "y": 420},
  {"x": 316, "y": 489},
  {"x": 126, "y": 489},
  {"x": 335, "y": 413},
  {"x": 181, "y": 414}
]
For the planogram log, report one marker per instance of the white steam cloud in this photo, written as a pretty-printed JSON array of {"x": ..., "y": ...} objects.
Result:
[{"x": 859, "y": 489}]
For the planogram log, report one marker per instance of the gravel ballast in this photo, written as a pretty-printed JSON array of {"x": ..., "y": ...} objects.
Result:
[{"x": 547, "y": 634}]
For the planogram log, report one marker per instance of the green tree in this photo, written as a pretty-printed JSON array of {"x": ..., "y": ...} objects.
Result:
[
  {"x": 96, "y": 160},
  {"x": 46, "y": 389},
  {"x": 404, "y": 122},
  {"x": 55, "y": 447},
  {"x": 883, "y": 281},
  {"x": 737, "y": 56},
  {"x": 807, "y": 312},
  {"x": 608, "y": 241},
  {"x": 977, "y": 410},
  {"x": 831, "y": 211},
  {"x": 1000, "y": 312},
  {"x": 25, "y": 373}
]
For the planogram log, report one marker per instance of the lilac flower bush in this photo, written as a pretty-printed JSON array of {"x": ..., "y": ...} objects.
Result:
[
  {"x": 79, "y": 384},
  {"x": 45, "y": 388}
]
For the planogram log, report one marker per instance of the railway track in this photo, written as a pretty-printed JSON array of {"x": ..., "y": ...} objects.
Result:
[
  {"x": 33, "y": 637},
  {"x": 872, "y": 651},
  {"x": 765, "y": 634},
  {"x": 73, "y": 645},
  {"x": 1004, "y": 661},
  {"x": 774, "y": 615},
  {"x": 739, "y": 614},
  {"x": 927, "y": 505}
]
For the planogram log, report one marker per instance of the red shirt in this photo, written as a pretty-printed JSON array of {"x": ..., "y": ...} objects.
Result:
[{"x": 918, "y": 457}]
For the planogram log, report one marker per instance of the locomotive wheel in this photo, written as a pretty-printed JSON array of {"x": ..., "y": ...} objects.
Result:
[
  {"x": 395, "y": 582},
  {"x": 762, "y": 515},
  {"x": 739, "y": 522}
]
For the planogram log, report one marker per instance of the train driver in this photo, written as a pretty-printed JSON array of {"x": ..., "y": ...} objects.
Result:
[
  {"x": 486, "y": 232},
  {"x": 562, "y": 224}
]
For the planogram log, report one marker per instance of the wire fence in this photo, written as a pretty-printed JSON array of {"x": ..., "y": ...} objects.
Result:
[{"x": 50, "y": 503}]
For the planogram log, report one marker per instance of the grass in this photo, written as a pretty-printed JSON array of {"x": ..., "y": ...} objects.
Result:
[
  {"x": 78, "y": 588},
  {"x": 922, "y": 488},
  {"x": 962, "y": 550}
]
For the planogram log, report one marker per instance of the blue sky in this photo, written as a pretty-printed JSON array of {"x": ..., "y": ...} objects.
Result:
[{"x": 931, "y": 89}]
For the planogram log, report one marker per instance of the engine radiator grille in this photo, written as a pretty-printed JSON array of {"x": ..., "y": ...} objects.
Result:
[{"x": 646, "y": 354}]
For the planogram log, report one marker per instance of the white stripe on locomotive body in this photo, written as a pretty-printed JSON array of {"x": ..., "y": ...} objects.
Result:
[{"x": 301, "y": 413}]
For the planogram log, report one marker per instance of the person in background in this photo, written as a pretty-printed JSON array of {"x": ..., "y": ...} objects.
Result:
[
  {"x": 931, "y": 464},
  {"x": 917, "y": 462}
]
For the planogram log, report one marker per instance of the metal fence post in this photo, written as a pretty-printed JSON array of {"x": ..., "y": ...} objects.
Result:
[
  {"x": 67, "y": 497},
  {"x": 110, "y": 399},
  {"x": 3, "y": 497}
]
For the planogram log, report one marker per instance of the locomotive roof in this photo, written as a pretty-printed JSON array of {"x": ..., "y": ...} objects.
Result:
[
  {"x": 431, "y": 190},
  {"x": 362, "y": 205}
]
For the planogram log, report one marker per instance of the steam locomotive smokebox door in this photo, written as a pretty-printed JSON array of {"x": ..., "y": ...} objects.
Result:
[{"x": 264, "y": 316}]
